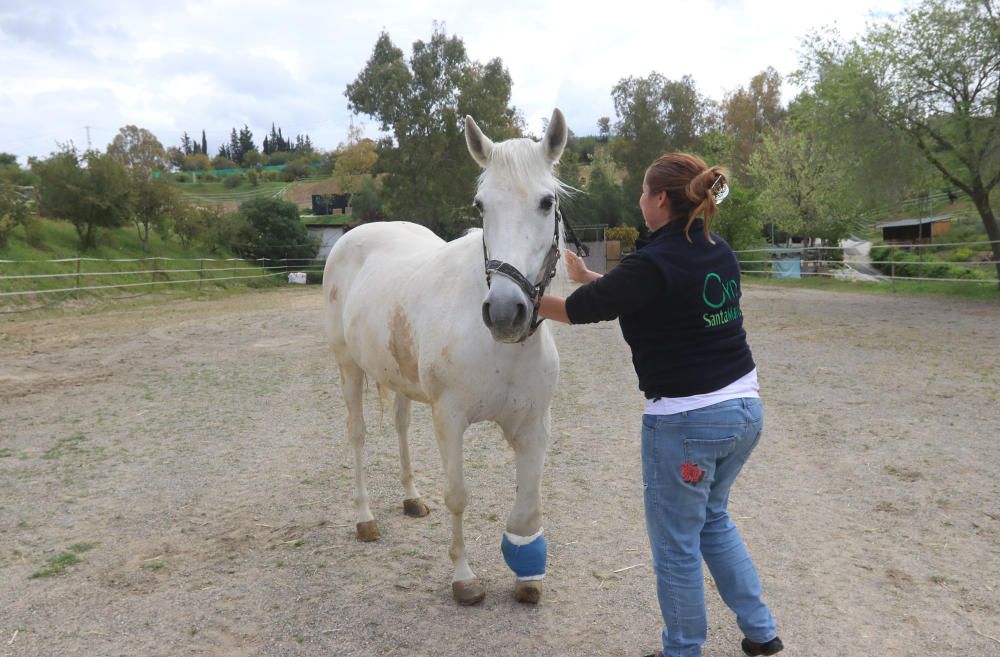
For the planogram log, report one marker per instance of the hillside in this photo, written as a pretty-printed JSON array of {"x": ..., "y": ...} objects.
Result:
[
  {"x": 298, "y": 192},
  {"x": 46, "y": 258}
]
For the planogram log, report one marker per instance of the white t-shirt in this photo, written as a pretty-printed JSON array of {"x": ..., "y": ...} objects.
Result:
[{"x": 745, "y": 386}]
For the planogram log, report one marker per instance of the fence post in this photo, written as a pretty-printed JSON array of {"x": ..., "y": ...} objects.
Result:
[
  {"x": 201, "y": 271},
  {"x": 892, "y": 271},
  {"x": 78, "y": 278}
]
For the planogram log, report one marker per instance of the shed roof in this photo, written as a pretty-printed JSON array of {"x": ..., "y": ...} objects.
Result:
[
  {"x": 327, "y": 225},
  {"x": 915, "y": 222}
]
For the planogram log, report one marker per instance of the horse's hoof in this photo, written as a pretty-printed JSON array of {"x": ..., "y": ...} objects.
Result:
[
  {"x": 367, "y": 531},
  {"x": 415, "y": 508},
  {"x": 469, "y": 592},
  {"x": 529, "y": 592}
]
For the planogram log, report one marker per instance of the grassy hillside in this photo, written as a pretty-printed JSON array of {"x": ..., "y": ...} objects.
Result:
[
  {"x": 298, "y": 192},
  {"x": 29, "y": 254},
  {"x": 212, "y": 191}
]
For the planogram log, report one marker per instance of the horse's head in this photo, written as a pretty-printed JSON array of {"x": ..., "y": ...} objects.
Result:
[{"x": 517, "y": 197}]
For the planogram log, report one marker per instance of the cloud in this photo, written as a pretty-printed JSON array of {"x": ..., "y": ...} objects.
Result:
[{"x": 219, "y": 64}]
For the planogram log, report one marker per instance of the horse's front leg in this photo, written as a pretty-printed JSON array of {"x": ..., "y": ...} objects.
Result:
[
  {"x": 523, "y": 543},
  {"x": 450, "y": 428}
]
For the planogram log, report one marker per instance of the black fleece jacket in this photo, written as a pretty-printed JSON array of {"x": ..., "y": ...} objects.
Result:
[{"x": 678, "y": 306}]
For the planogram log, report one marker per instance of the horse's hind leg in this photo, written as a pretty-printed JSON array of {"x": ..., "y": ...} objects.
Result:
[
  {"x": 413, "y": 506},
  {"x": 352, "y": 380}
]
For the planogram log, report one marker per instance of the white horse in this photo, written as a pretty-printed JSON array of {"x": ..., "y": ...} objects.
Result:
[{"x": 416, "y": 315}]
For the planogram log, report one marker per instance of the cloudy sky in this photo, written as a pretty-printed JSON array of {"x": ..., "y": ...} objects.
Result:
[{"x": 215, "y": 64}]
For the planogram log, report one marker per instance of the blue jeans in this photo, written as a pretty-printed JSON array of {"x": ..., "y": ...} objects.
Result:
[{"x": 689, "y": 463}]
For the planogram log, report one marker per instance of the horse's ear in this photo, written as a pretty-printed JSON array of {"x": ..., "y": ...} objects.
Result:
[
  {"x": 555, "y": 137},
  {"x": 480, "y": 146}
]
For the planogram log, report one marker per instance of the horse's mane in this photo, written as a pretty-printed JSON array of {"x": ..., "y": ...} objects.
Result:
[{"x": 521, "y": 161}]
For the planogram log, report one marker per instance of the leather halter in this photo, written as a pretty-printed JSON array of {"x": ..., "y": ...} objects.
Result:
[{"x": 545, "y": 275}]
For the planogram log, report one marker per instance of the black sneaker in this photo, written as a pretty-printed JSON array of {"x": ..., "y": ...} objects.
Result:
[{"x": 753, "y": 648}]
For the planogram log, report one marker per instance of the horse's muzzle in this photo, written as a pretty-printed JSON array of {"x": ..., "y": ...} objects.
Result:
[{"x": 507, "y": 315}]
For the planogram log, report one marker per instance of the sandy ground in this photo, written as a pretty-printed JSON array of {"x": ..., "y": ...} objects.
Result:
[{"x": 190, "y": 457}]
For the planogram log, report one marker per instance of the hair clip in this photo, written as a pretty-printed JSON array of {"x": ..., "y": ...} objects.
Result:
[{"x": 719, "y": 193}]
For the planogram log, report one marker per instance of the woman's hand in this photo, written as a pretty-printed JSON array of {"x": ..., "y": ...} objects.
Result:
[{"x": 577, "y": 269}]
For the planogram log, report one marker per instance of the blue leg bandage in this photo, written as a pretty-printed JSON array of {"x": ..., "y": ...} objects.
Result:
[{"x": 525, "y": 555}]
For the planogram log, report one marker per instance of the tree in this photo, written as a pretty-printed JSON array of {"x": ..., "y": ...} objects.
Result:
[
  {"x": 175, "y": 157},
  {"x": 604, "y": 128},
  {"x": 91, "y": 197},
  {"x": 354, "y": 158},
  {"x": 739, "y": 219},
  {"x": 275, "y": 232},
  {"x": 297, "y": 168},
  {"x": 933, "y": 76},
  {"x": 139, "y": 151},
  {"x": 217, "y": 231},
  {"x": 12, "y": 174},
  {"x": 422, "y": 103},
  {"x": 246, "y": 145},
  {"x": 199, "y": 162},
  {"x": 366, "y": 204},
  {"x": 222, "y": 161},
  {"x": 749, "y": 113},
  {"x": 569, "y": 169},
  {"x": 657, "y": 115},
  {"x": 603, "y": 201},
  {"x": 15, "y": 210},
  {"x": 204, "y": 143},
  {"x": 802, "y": 186},
  {"x": 153, "y": 201}
]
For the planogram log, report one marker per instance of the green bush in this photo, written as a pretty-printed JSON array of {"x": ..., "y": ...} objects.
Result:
[
  {"x": 892, "y": 261},
  {"x": 208, "y": 177},
  {"x": 275, "y": 231},
  {"x": 314, "y": 277},
  {"x": 627, "y": 235},
  {"x": 182, "y": 178},
  {"x": 234, "y": 181},
  {"x": 298, "y": 168}
]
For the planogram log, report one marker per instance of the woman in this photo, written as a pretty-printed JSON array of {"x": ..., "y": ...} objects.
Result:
[{"x": 677, "y": 300}]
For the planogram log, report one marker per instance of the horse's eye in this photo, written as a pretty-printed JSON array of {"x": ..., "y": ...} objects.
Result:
[
  {"x": 546, "y": 204},
  {"x": 478, "y": 205}
]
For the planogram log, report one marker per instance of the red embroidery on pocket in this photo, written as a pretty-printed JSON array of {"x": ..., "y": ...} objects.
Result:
[{"x": 691, "y": 473}]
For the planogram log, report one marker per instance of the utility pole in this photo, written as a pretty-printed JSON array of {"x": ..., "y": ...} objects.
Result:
[{"x": 87, "y": 128}]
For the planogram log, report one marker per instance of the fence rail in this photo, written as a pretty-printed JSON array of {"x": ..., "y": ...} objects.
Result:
[
  {"x": 813, "y": 258},
  {"x": 158, "y": 270},
  {"x": 13, "y": 286}
]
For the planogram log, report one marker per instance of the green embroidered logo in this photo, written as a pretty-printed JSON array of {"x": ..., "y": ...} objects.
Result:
[{"x": 716, "y": 293}]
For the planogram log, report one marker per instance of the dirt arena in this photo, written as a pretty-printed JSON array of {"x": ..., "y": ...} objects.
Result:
[{"x": 174, "y": 480}]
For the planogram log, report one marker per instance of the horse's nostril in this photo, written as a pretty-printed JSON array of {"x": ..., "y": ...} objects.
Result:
[
  {"x": 486, "y": 315},
  {"x": 521, "y": 311}
]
